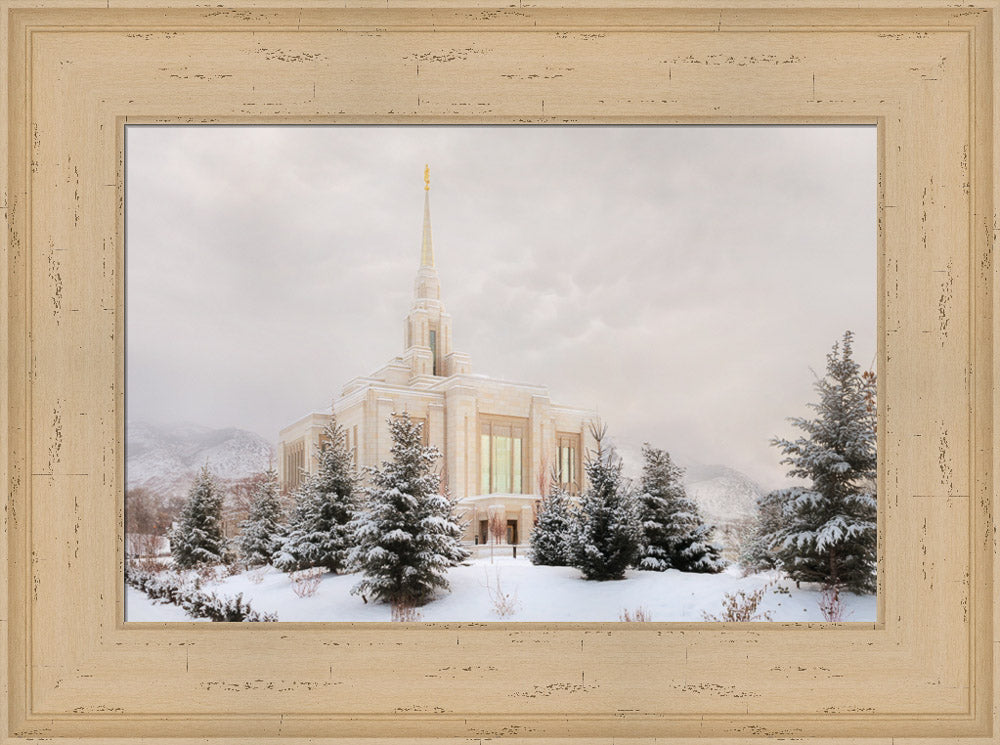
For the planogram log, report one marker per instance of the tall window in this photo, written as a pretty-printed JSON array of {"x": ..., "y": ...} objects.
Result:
[
  {"x": 295, "y": 461},
  {"x": 568, "y": 461},
  {"x": 501, "y": 457},
  {"x": 434, "y": 353}
]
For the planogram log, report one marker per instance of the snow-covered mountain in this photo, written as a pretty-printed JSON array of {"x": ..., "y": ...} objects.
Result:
[
  {"x": 724, "y": 494},
  {"x": 165, "y": 458}
]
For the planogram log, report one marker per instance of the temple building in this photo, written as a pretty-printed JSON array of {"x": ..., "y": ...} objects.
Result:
[{"x": 501, "y": 441}]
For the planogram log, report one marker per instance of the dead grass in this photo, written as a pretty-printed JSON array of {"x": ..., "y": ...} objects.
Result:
[{"x": 638, "y": 615}]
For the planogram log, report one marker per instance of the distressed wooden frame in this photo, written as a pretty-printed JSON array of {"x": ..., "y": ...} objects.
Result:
[{"x": 76, "y": 71}]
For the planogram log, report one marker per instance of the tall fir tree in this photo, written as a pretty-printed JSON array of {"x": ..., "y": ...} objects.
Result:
[
  {"x": 262, "y": 533},
  {"x": 319, "y": 533},
  {"x": 198, "y": 538},
  {"x": 674, "y": 535},
  {"x": 551, "y": 538},
  {"x": 606, "y": 535},
  {"x": 826, "y": 530},
  {"x": 756, "y": 554},
  {"x": 408, "y": 536}
]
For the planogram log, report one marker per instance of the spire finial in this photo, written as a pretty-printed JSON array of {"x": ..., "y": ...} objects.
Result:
[{"x": 426, "y": 247}]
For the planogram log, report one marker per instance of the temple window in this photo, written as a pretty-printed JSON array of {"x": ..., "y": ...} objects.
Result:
[
  {"x": 501, "y": 456},
  {"x": 295, "y": 462},
  {"x": 568, "y": 461}
]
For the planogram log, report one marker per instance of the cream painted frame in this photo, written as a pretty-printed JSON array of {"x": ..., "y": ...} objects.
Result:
[{"x": 75, "y": 72}]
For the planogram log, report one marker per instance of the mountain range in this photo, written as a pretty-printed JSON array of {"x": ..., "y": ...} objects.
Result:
[
  {"x": 724, "y": 494},
  {"x": 165, "y": 459}
]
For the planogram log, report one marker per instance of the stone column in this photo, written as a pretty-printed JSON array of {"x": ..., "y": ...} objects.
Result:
[
  {"x": 383, "y": 439},
  {"x": 437, "y": 436},
  {"x": 460, "y": 436},
  {"x": 526, "y": 523},
  {"x": 282, "y": 476},
  {"x": 538, "y": 442}
]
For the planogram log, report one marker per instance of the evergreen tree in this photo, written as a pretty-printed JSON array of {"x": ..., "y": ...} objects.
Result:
[
  {"x": 674, "y": 535},
  {"x": 606, "y": 535},
  {"x": 551, "y": 538},
  {"x": 197, "y": 538},
  {"x": 827, "y": 529},
  {"x": 443, "y": 528},
  {"x": 756, "y": 552},
  {"x": 319, "y": 533},
  {"x": 408, "y": 536},
  {"x": 261, "y": 534}
]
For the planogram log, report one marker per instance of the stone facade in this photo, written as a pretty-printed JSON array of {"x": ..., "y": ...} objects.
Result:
[{"x": 501, "y": 441}]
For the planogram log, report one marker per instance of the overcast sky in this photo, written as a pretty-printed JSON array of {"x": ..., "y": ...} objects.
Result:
[{"x": 686, "y": 282}]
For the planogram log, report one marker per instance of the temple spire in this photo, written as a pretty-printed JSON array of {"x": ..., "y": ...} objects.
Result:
[{"x": 426, "y": 248}]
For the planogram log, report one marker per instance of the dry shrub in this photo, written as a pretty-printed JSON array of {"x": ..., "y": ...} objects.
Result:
[
  {"x": 504, "y": 604},
  {"x": 497, "y": 527},
  {"x": 209, "y": 573},
  {"x": 403, "y": 612},
  {"x": 233, "y": 568},
  {"x": 256, "y": 576},
  {"x": 305, "y": 582},
  {"x": 741, "y": 606},
  {"x": 154, "y": 566},
  {"x": 638, "y": 615},
  {"x": 831, "y": 606}
]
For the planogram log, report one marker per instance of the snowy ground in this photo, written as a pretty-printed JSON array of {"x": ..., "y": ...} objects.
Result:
[{"x": 540, "y": 594}]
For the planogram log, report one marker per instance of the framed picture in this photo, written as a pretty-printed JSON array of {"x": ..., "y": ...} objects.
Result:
[
  {"x": 523, "y": 344},
  {"x": 78, "y": 81}
]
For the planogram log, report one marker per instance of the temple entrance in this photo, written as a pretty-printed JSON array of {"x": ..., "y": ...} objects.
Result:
[{"x": 511, "y": 532}]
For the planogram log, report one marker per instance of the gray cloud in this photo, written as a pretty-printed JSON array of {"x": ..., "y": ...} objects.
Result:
[{"x": 683, "y": 280}]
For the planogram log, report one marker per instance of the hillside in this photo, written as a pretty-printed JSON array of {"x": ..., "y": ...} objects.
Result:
[
  {"x": 164, "y": 459},
  {"x": 724, "y": 495}
]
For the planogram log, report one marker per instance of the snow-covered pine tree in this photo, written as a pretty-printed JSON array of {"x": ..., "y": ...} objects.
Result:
[
  {"x": 551, "y": 538},
  {"x": 197, "y": 538},
  {"x": 443, "y": 529},
  {"x": 407, "y": 536},
  {"x": 606, "y": 535},
  {"x": 674, "y": 535},
  {"x": 827, "y": 530},
  {"x": 756, "y": 552},
  {"x": 262, "y": 533},
  {"x": 292, "y": 552},
  {"x": 325, "y": 504}
]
